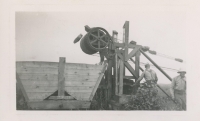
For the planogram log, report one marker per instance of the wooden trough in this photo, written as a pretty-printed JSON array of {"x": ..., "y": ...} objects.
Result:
[{"x": 53, "y": 85}]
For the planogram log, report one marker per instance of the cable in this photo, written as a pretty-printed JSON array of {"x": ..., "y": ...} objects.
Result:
[
  {"x": 165, "y": 56},
  {"x": 165, "y": 68},
  {"x": 142, "y": 63}
]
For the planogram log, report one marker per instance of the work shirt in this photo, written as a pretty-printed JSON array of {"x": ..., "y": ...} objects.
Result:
[
  {"x": 178, "y": 83},
  {"x": 150, "y": 75}
]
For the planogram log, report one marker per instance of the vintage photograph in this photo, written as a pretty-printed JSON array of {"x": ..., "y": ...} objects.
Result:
[{"x": 101, "y": 61}]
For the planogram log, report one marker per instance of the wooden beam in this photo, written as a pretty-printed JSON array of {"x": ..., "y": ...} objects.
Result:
[
  {"x": 158, "y": 67},
  {"x": 133, "y": 52},
  {"x": 120, "y": 56},
  {"x": 117, "y": 45},
  {"x": 61, "y": 98},
  {"x": 122, "y": 45},
  {"x": 121, "y": 77},
  {"x": 137, "y": 63},
  {"x": 98, "y": 82},
  {"x": 126, "y": 27},
  {"x": 134, "y": 63},
  {"x": 22, "y": 88},
  {"x": 61, "y": 78},
  {"x": 62, "y": 104},
  {"x": 132, "y": 71},
  {"x": 129, "y": 77}
]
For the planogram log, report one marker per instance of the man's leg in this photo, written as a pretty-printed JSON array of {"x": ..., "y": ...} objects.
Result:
[{"x": 179, "y": 98}]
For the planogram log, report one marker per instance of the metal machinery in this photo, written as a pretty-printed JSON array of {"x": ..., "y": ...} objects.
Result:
[{"x": 118, "y": 57}]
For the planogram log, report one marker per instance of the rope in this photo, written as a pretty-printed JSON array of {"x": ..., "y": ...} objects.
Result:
[
  {"x": 142, "y": 63},
  {"x": 165, "y": 56}
]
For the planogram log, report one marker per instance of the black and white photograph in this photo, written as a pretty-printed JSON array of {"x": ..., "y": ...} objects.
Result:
[{"x": 99, "y": 60}]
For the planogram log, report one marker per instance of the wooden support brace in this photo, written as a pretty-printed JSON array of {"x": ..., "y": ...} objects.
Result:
[
  {"x": 61, "y": 78},
  {"x": 133, "y": 52},
  {"x": 22, "y": 88},
  {"x": 63, "y": 98},
  {"x": 132, "y": 71},
  {"x": 98, "y": 82}
]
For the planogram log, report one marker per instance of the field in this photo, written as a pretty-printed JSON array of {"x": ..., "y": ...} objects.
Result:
[{"x": 167, "y": 103}]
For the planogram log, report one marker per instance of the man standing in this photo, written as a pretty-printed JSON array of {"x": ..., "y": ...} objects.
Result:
[
  {"x": 178, "y": 88},
  {"x": 149, "y": 75},
  {"x": 146, "y": 95}
]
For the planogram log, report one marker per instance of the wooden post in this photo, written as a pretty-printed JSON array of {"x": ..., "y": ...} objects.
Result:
[
  {"x": 126, "y": 27},
  {"x": 61, "y": 78},
  {"x": 137, "y": 64},
  {"x": 121, "y": 77},
  {"x": 109, "y": 78},
  {"x": 116, "y": 65}
]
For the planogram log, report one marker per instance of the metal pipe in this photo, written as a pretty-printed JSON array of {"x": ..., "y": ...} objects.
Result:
[{"x": 156, "y": 65}]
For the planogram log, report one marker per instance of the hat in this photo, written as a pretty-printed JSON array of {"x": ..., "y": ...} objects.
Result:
[
  {"x": 147, "y": 64},
  {"x": 181, "y": 70}
]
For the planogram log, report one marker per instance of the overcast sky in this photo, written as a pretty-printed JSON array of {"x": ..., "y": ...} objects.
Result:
[{"x": 46, "y": 36}]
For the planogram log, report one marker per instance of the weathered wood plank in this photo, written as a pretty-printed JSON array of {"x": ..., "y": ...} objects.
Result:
[
  {"x": 82, "y": 72},
  {"x": 53, "y": 104},
  {"x": 82, "y": 80},
  {"x": 51, "y": 77},
  {"x": 39, "y": 82},
  {"x": 121, "y": 45},
  {"x": 80, "y": 95},
  {"x": 38, "y": 95},
  {"x": 133, "y": 52},
  {"x": 83, "y": 69},
  {"x": 121, "y": 77},
  {"x": 82, "y": 66},
  {"x": 98, "y": 82},
  {"x": 68, "y": 83},
  {"x": 132, "y": 71},
  {"x": 38, "y": 70},
  {"x": 78, "y": 89},
  {"x": 61, "y": 98},
  {"x": 20, "y": 64},
  {"x": 129, "y": 77},
  {"x": 36, "y": 64},
  {"x": 22, "y": 88},
  {"x": 116, "y": 64},
  {"x": 44, "y": 70},
  {"x": 126, "y": 27},
  {"x": 76, "y": 83},
  {"x": 61, "y": 78},
  {"x": 38, "y": 88},
  {"x": 38, "y": 76},
  {"x": 137, "y": 64}
]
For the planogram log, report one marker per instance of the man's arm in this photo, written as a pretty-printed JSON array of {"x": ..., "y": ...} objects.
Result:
[
  {"x": 156, "y": 78},
  {"x": 140, "y": 78},
  {"x": 172, "y": 88}
]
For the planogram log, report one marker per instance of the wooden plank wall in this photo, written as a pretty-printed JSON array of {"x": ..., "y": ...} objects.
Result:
[
  {"x": 80, "y": 79},
  {"x": 40, "y": 79}
]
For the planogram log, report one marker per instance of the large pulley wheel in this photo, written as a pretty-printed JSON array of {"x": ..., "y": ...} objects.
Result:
[{"x": 98, "y": 38}]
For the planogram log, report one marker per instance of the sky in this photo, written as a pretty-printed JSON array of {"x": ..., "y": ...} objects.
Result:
[{"x": 46, "y": 36}]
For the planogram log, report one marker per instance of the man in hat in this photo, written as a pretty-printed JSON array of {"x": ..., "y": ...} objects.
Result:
[{"x": 178, "y": 88}]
